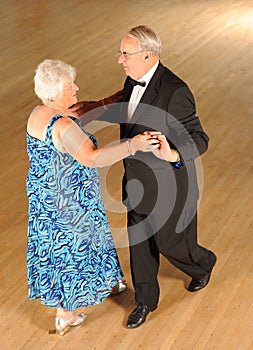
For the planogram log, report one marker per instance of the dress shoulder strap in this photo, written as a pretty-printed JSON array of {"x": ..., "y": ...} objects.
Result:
[{"x": 50, "y": 126}]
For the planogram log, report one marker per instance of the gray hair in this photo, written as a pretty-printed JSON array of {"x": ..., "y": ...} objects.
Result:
[
  {"x": 147, "y": 38},
  {"x": 49, "y": 78}
]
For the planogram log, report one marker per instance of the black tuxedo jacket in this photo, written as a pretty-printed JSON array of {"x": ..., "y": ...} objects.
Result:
[{"x": 151, "y": 185}]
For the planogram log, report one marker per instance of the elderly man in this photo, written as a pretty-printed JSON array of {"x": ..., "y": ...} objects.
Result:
[{"x": 161, "y": 194}]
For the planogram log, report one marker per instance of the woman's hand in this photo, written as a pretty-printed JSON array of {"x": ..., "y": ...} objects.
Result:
[
  {"x": 146, "y": 142},
  {"x": 164, "y": 151}
]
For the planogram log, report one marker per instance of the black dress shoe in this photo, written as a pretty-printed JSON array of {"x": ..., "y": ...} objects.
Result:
[
  {"x": 200, "y": 283},
  {"x": 138, "y": 316},
  {"x": 197, "y": 284}
]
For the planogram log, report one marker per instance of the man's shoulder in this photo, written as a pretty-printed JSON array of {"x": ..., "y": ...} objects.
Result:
[{"x": 170, "y": 77}]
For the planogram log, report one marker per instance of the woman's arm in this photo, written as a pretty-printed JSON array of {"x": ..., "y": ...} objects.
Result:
[{"x": 68, "y": 137}]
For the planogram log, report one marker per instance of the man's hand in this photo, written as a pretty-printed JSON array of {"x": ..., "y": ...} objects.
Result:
[
  {"x": 85, "y": 106},
  {"x": 117, "y": 97},
  {"x": 164, "y": 151},
  {"x": 79, "y": 105}
]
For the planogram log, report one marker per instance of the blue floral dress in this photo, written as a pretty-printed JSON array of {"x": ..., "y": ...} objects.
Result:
[{"x": 71, "y": 256}]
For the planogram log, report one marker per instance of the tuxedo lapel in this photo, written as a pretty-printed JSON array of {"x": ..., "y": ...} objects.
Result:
[{"x": 146, "y": 101}]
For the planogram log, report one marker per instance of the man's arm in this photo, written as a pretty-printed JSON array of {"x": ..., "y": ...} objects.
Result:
[
  {"x": 188, "y": 135},
  {"x": 83, "y": 107}
]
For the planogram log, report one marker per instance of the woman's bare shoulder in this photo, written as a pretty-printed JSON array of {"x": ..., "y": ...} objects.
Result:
[{"x": 39, "y": 120}]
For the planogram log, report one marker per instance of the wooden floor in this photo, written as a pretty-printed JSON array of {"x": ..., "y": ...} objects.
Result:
[{"x": 209, "y": 43}]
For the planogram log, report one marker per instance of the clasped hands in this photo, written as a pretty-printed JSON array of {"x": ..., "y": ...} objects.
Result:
[{"x": 157, "y": 143}]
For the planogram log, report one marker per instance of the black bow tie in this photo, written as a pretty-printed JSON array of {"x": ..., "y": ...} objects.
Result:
[{"x": 136, "y": 82}]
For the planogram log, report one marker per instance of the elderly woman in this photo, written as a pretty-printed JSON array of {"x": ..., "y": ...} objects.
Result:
[{"x": 71, "y": 258}]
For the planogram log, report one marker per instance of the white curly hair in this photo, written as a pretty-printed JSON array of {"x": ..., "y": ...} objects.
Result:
[{"x": 50, "y": 77}]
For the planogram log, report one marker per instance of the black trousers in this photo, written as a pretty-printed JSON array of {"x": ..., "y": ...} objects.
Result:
[{"x": 179, "y": 248}]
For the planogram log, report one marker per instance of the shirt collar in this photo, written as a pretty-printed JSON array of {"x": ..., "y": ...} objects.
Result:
[{"x": 147, "y": 77}]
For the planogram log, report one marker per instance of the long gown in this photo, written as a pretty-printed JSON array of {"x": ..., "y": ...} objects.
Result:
[{"x": 71, "y": 257}]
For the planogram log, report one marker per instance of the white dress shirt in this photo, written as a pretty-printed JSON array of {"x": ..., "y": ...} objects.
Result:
[{"x": 138, "y": 91}]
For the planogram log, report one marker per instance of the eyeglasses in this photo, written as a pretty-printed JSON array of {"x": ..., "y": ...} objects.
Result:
[{"x": 126, "y": 55}]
